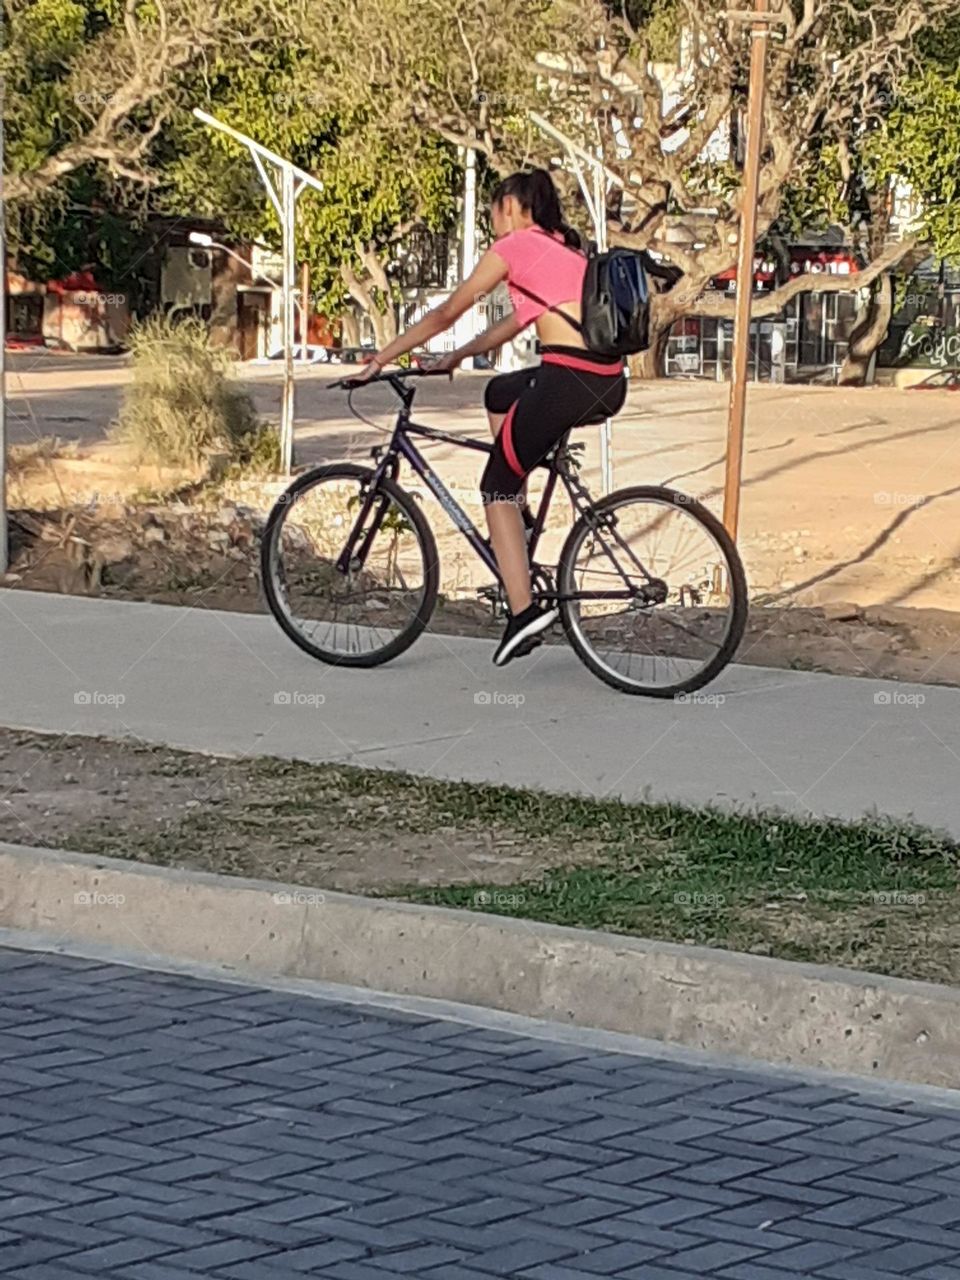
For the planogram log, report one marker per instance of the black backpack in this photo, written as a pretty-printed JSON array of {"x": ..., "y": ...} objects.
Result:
[{"x": 615, "y": 303}]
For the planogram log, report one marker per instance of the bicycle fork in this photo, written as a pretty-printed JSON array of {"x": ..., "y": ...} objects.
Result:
[{"x": 358, "y": 544}]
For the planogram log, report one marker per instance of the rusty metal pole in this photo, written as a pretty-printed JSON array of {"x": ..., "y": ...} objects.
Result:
[{"x": 747, "y": 250}]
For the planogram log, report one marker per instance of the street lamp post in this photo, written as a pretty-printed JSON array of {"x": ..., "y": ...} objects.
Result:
[{"x": 291, "y": 181}]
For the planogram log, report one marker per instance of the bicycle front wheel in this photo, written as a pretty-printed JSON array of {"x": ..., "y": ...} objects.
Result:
[
  {"x": 349, "y": 570},
  {"x": 652, "y": 592}
]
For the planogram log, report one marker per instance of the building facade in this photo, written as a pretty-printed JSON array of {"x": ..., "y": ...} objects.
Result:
[{"x": 806, "y": 341}]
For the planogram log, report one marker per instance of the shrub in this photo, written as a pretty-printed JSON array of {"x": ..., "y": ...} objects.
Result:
[
  {"x": 181, "y": 406},
  {"x": 256, "y": 454}
]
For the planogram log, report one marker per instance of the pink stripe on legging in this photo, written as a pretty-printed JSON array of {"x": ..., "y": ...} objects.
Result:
[{"x": 506, "y": 436}]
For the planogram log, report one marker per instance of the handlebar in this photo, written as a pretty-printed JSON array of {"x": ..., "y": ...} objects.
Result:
[{"x": 395, "y": 377}]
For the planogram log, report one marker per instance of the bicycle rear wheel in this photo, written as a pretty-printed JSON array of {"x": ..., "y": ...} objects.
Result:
[
  {"x": 350, "y": 572},
  {"x": 653, "y": 596}
]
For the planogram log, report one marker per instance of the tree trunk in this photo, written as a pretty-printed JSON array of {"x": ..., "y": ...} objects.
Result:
[
  {"x": 869, "y": 330},
  {"x": 349, "y": 329},
  {"x": 384, "y": 326},
  {"x": 382, "y": 317}
]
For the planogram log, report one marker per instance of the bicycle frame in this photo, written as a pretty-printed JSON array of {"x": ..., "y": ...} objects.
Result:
[{"x": 560, "y": 465}]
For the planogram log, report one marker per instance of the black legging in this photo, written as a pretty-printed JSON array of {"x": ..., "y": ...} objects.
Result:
[{"x": 571, "y": 388}]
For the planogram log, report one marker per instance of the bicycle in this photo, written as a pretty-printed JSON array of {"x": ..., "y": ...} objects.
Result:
[{"x": 347, "y": 553}]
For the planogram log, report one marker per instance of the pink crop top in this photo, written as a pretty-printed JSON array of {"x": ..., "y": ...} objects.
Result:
[{"x": 540, "y": 261}]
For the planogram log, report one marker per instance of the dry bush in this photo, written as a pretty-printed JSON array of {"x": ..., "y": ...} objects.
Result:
[{"x": 181, "y": 407}]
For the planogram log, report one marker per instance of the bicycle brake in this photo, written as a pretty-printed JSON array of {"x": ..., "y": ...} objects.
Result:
[
  {"x": 602, "y": 519},
  {"x": 572, "y": 456}
]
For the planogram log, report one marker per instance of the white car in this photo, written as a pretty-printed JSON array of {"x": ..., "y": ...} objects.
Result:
[{"x": 314, "y": 355}]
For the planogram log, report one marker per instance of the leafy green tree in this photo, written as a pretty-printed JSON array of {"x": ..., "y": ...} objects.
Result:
[
  {"x": 902, "y": 132},
  {"x": 100, "y": 135},
  {"x": 90, "y": 88},
  {"x": 600, "y": 70},
  {"x": 919, "y": 143},
  {"x": 91, "y": 82},
  {"x": 376, "y": 185}
]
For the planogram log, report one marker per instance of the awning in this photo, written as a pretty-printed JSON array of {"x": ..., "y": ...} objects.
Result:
[{"x": 839, "y": 262}]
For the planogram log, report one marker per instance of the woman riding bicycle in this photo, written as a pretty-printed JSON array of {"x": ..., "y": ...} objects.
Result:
[{"x": 537, "y": 254}]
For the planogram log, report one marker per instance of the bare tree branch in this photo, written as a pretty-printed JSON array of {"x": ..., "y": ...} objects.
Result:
[{"x": 772, "y": 303}]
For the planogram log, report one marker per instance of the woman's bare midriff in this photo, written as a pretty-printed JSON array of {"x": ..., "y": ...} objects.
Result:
[{"x": 553, "y": 330}]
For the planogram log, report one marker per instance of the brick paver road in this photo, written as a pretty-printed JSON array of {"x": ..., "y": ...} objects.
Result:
[{"x": 158, "y": 1127}]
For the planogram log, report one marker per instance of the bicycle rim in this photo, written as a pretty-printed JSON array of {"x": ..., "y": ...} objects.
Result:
[
  {"x": 349, "y": 572},
  {"x": 654, "y": 597}
]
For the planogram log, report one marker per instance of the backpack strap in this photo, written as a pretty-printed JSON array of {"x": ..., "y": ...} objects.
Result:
[{"x": 535, "y": 297}]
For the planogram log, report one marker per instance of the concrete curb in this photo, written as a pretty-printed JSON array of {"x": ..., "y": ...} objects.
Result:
[{"x": 720, "y": 1002}]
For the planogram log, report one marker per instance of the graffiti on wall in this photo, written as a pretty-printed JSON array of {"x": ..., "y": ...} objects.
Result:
[{"x": 930, "y": 347}]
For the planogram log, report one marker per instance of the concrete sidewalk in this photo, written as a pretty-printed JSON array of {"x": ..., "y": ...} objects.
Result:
[{"x": 232, "y": 683}]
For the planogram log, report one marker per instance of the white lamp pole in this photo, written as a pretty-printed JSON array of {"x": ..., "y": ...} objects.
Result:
[
  {"x": 466, "y": 326},
  {"x": 291, "y": 180}
]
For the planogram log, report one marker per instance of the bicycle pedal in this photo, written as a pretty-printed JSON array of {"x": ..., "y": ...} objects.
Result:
[{"x": 493, "y": 595}]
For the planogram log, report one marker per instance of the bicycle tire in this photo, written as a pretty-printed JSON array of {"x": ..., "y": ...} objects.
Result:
[
  {"x": 273, "y": 593},
  {"x": 736, "y": 577}
]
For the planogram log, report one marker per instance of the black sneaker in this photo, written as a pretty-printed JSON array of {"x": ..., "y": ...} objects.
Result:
[{"x": 524, "y": 633}]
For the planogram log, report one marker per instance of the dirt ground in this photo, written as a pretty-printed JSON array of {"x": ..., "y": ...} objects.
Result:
[
  {"x": 208, "y": 556},
  {"x": 243, "y": 817},
  {"x": 849, "y": 493},
  {"x": 884, "y": 900},
  {"x": 849, "y": 520}
]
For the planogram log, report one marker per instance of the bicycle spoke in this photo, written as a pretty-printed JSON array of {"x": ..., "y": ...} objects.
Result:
[
  {"x": 353, "y": 568},
  {"x": 676, "y": 625}
]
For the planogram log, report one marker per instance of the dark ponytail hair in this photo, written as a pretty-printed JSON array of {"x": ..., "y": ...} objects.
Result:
[{"x": 537, "y": 195}]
